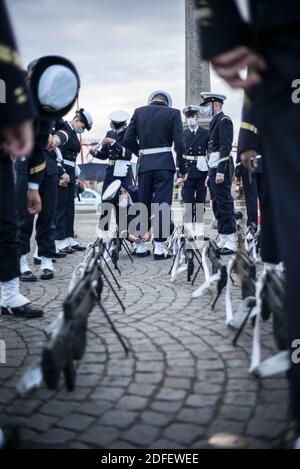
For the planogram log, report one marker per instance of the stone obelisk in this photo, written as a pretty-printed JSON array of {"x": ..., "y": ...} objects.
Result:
[{"x": 197, "y": 70}]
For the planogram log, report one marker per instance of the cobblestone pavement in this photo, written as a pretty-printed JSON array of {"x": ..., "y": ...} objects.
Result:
[{"x": 183, "y": 386}]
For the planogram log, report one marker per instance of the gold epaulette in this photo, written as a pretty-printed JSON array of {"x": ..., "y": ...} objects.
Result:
[{"x": 225, "y": 117}]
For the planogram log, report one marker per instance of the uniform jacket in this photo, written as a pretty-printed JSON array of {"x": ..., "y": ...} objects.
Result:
[
  {"x": 220, "y": 137},
  {"x": 221, "y": 31},
  {"x": 114, "y": 152},
  {"x": 117, "y": 151},
  {"x": 43, "y": 161},
  {"x": 156, "y": 126},
  {"x": 195, "y": 145}
]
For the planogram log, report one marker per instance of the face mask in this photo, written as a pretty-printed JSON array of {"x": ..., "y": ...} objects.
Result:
[
  {"x": 79, "y": 131},
  {"x": 118, "y": 131},
  {"x": 207, "y": 111},
  {"x": 192, "y": 121}
]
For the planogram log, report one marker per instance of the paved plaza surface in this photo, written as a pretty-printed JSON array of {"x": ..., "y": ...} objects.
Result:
[{"x": 183, "y": 385}]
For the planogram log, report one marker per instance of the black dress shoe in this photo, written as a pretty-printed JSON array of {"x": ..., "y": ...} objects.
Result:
[
  {"x": 58, "y": 255},
  {"x": 67, "y": 250},
  {"x": 162, "y": 257},
  {"x": 226, "y": 252},
  {"x": 25, "y": 311},
  {"x": 78, "y": 247},
  {"x": 37, "y": 261},
  {"x": 28, "y": 277},
  {"x": 47, "y": 274},
  {"x": 11, "y": 437}
]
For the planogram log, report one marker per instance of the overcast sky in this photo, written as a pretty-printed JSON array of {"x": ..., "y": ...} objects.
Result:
[{"x": 123, "y": 49}]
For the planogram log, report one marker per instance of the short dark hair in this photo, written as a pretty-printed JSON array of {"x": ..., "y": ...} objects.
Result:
[
  {"x": 161, "y": 97},
  {"x": 191, "y": 113}
]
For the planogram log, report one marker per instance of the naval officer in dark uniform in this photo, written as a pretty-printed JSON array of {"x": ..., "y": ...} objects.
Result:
[
  {"x": 65, "y": 212},
  {"x": 119, "y": 157},
  {"x": 265, "y": 37},
  {"x": 253, "y": 185},
  {"x": 16, "y": 139},
  {"x": 194, "y": 184},
  {"x": 151, "y": 133},
  {"x": 220, "y": 162},
  {"x": 44, "y": 224}
]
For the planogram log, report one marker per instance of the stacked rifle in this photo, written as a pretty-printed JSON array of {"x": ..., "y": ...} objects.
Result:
[
  {"x": 185, "y": 248},
  {"x": 262, "y": 297},
  {"x": 68, "y": 334}
]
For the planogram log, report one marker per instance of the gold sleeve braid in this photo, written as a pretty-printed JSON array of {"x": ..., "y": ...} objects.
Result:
[{"x": 37, "y": 169}]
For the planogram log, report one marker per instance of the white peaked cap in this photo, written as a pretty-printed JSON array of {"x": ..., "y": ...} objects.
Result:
[
  {"x": 191, "y": 107},
  {"x": 210, "y": 97},
  {"x": 57, "y": 87},
  {"x": 119, "y": 116},
  {"x": 165, "y": 93},
  {"x": 88, "y": 117}
]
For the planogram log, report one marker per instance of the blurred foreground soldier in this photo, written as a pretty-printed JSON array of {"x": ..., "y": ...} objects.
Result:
[
  {"x": 16, "y": 139},
  {"x": 151, "y": 133},
  {"x": 65, "y": 213},
  {"x": 253, "y": 184},
  {"x": 220, "y": 137},
  {"x": 113, "y": 150},
  {"x": 194, "y": 183},
  {"x": 265, "y": 37}
]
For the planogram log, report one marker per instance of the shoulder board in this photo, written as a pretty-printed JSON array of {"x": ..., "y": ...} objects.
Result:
[{"x": 225, "y": 118}]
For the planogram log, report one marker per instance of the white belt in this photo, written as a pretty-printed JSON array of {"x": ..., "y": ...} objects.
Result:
[
  {"x": 192, "y": 157},
  {"x": 70, "y": 163},
  {"x": 152, "y": 151}
]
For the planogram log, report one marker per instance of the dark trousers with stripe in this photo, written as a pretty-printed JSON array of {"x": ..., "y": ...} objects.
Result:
[
  {"x": 65, "y": 212},
  {"x": 253, "y": 191},
  {"x": 157, "y": 187},
  {"x": 223, "y": 206},
  {"x": 194, "y": 192},
  {"x": 44, "y": 220},
  {"x": 9, "y": 265}
]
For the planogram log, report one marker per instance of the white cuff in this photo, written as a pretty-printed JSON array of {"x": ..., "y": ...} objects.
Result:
[
  {"x": 33, "y": 186},
  {"x": 220, "y": 174}
]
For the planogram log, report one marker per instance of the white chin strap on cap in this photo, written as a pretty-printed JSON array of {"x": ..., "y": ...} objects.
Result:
[
  {"x": 156, "y": 93},
  {"x": 57, "y": 87}
]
